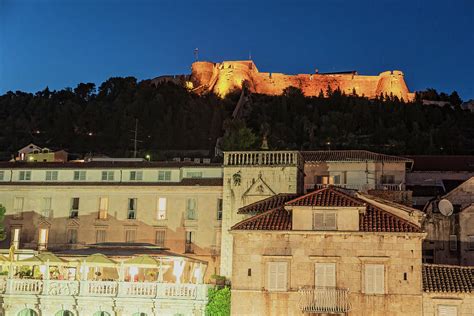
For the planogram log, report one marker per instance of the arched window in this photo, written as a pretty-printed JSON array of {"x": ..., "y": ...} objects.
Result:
[
  {"x": 64, "y": 313},
  {"x": 101, "y": 314},
  {"x": 27, "y": 312}
]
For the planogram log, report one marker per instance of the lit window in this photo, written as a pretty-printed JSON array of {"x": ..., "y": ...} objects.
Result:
[
  {"x": 161, "y": 208},
  {"x": 324, "y": 220},
  {"x": 453, "y": 243},
  {"x": 191, "y": 212},
  {"x": 107, "y": 176},
  {"x": 374, "y": 278},
  {"x": 25, "y": 176},
  {"x": 51, "y": 176},
  {"x": 164, "y": 175},
  {"x": 80, "y": 175},
  {"x": 74, "y": 207},
  {"x": 132, "y": 208},
  {"x": 43, "y": 239},
  {"x": 15, "y": 240},
  {"x": 136, "y": 175},
  {"x": 160, "y": 238},
  {"x": 277, "y": 278},
  {"x": 103, "y": 207}
]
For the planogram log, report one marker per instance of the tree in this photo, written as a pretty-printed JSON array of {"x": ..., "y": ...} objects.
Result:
[
  {"x": 219, "y": 302},
  {"x": 237, "y": 136}
]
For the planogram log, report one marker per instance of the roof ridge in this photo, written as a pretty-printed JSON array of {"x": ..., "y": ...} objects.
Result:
[
  {"x": 440, "y": 265},
  {"x": 394, "y": 215},
  {"x": 258, "y": 216}
]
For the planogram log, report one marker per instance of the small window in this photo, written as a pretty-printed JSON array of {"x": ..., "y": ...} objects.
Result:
[
  {"x": 18, "y": 204},
  {"x": 2, "y": 175},
  {"x": 43, "y": 239},
  {"x": 191, "y": 212},
  {"x": 130, "y": 235},
  {"x": 51, "y": 176},
  {"x": 80, "y": 175},
  {"x": 194, "y": 174},
  {"x": 132, "y": 208},
  {"x": 100, "y": 235},
  {"x": 324, "y": 220},
  {"x": 336, "y": 179},
  {"x": 46, "y": 211},
  {"x": 160, "y": 238},
  {"x": 189, "y": 242},
  {"x": 374, "y": 279},
  {"x": 325, "y": 275},
  {"x": 447, "y": 310},
  {"x": 25, "y": 176},
  {"x": 72, "y": 236},
  {"x": 164, "y": 175},
  {"x": 277, "y": 276},
  {"x": 219, "y": 209},
  {"x": 107, "y": 176},
  {"x": 453, "y": 243},
  {"x": 161, "y": 213},
  {"x": 388, "y": 179},
  {"x": 103, "y": 207},
  {"x": 74, "y": 207},
  {"x": 136, "y": 175}
]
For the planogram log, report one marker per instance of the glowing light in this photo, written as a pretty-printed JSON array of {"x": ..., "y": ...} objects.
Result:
[
  {"x": 42, "y": 269},
  {"x": 133, "y": 272}
]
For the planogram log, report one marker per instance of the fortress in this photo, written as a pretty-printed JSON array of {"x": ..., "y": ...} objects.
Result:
[{"x": 221, "y": 78}]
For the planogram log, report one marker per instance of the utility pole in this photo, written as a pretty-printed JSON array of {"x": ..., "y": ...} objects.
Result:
[{"x": 135, "y": 139}]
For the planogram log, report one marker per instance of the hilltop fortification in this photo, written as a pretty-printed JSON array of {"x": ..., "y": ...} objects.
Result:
[{"x": 221, "y": 78}]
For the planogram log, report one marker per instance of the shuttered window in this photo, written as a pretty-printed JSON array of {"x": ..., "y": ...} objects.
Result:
[
  {"x": 325, "y": 275},
  {"x": 453, "y": 243},
  {"x": 191, "y": 212},
  {"x": 277, "y": 276},
  {"x": 324, "y": 221},
  {"x": 103, "y": 207},
  {"x": 374, "y": 279},
  {"x": 160, "y": 238},
  {"x": 447, "y": 310}
]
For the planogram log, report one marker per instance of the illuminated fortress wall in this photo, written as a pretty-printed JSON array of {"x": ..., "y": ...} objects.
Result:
[{"x": 221, "y": 78}]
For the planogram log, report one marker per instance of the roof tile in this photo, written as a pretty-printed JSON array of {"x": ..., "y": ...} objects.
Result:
[
  {"x": 267, "y": 204},
  {"x": 447, "y": 278},
  {"x": 326, "y": 197},
  {"x": 274, "y": 219},
  {"x": 349, "y": 156}
]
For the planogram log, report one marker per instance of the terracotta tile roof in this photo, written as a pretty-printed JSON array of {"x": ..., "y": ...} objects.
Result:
[
  {"x": 349, "y": 156},
  {"x": 447, "y": 278},
  {"x": 443, "y": 163},
  {"x": 267, "y": 204},
  {"x": 375, "y": 219},
  {"x": 378, "y": 220},
  {"x": 274, "y": 219},
  {"x": 329, "y": 196}
]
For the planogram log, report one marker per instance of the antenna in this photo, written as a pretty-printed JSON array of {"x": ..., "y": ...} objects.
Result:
[
  {"x": 445, "y": 207},
  {"x": 196, "y": 54},
  {"x": 135, "y": 140}
]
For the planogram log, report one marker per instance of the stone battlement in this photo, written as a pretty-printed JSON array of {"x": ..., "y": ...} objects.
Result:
[{"x": 221, "y": 78}]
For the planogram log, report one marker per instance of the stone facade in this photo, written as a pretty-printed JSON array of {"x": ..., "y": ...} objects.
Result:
[{"x": 463, "y": 303}]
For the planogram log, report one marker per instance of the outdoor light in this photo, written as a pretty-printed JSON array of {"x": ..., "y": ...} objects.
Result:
[
  {"x": 148, "y": 157},
  {"x": 133, "y": 272},
  {"x": 42, "y": 269}
]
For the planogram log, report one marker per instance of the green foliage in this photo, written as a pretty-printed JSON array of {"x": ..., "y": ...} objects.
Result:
[
  {"x": 237, "y": 136},
  {"x": 219, "y": 302},
  {"x": 3, "y": 210}
]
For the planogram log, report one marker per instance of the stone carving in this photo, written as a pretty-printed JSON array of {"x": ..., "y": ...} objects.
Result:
[{"x": 63, "y": 288}]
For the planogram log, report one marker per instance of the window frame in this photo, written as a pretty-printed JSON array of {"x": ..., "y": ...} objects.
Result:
[
  {"x": 51, "y": 175},
  {"x": 453, "y": 242},
  {"x": 374, "y": 267},
  {"x": 137, "y": 175},
  {"x": 325, "y": 214},
  {"x": 108, "y": 175},
  {"x": 132, "y": 212},
  {"x": 163, "y": 241},
  {"x": 24, "y": 175},
  {"x": 100, "y": 233},
  {"x": 161, "y": 211},
  {"x": 219, "y": 209},
  {"x": 74, "y": 212},
  {"x": 278, "y": 266},
  {"x": 192, "y": 211},
  {"x": 81, "y": 175}
]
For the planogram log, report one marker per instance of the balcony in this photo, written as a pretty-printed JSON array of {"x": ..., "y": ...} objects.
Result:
[
  {"x": 263, "y": 158},
  {"x": 358, "y": 187},
  {"x": 329, "y": 300}
]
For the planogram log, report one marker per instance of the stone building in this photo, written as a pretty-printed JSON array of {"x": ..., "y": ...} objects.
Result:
[
  {"x": 328, "y": 251},
  {"x": 450, "y": 239},
  {"x": 59, "y": 206}
]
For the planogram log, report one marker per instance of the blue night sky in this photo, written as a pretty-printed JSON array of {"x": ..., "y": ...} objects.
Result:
[{"x": 62, "y": 43}]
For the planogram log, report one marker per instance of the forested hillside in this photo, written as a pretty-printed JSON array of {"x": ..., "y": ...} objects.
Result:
[{"x": 90, "y": 120}]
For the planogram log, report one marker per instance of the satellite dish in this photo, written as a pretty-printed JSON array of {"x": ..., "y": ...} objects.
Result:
[{"x": 445, "y": 207}]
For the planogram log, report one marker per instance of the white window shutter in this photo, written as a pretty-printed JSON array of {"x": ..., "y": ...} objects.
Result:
[
  {"x": 272, "y": 275},
  {"x": 282, "y": 276},
  {"x": 330, "y": 220},
  {"x": 447, "y": 310},
  {"x": 379, "y": 279},
  {"x": 331, "y": 274},
  {"x": 369, "y": 279},
  {"x": 318, "y": 221},
  {"x": 320, "y": 277},
  {"x": 325, "y": 275}
]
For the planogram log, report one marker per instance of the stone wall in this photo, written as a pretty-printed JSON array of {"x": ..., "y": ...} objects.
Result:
[
  {"x": 224, "y": 77},
  {"x": 463, "y": 301}
]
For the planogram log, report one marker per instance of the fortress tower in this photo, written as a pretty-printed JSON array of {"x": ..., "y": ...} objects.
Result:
[{"x": 221, "y": 78}]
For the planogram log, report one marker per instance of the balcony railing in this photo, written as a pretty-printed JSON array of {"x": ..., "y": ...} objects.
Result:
[
  {"x": 185, "y": 291},
  {"x": 328, "y": 300},
  {"x": 358, "y": 187},
  {"x": 257, "y": 158}
]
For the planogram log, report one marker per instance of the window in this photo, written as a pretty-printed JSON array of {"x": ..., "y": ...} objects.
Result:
[
  {"x": 471, "y": 242},
  {"x": 46, "y": 211},
  {"x": 191, "y": 209},
  {"x": 325, "y": 275},
  {"x": 136, "y": 175},
  {"x": 447, "y": 310},
  {"x": 103, "y": 207},
  {"x": 18, "y": 207},
  {"x": 164, "y": 175},
  {"x": 25, "y": 175},
  {"x": 219, "y": 209},
  {"x": 194, "y": 174},
  {"x": 80, "y": 175},
  {"x": 453, "y": 243},
  {"x": 388, "y": 179},
  {"x": 43, "y": 239},
  {"x": 51, "y": 176},
  {"x": 132, "y": 208},
  {"x": 321, "y": 179},
  {"x": 324, "y": 220},
  {"x": 336, "y": 179},
  {"x": 189, "y": 242},
  {"x": 2, "y": 175},
  {"x": 277, "y": 276},
  {"x": 74, "y": 208},
  {"x": 130, "y": 235},
  {"x": 72, "y": 236},
  {"x": 107, "y": 176},
  {"x": 100, "y": 235},
  {"x": 160, "y": 238},
  {"x": 374, "y": 278},
  {"x": 15, "y": 240},
  {"x": 161, "y": 214}
]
